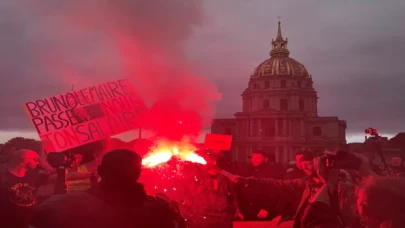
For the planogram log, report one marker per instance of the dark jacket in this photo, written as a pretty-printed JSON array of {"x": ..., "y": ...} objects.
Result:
[
  {"x": 210, "y": 201},
  {"x": 319, "y": 215},
  {"x": 288, "y": 205},
  {"x": 254, "y": 197},
  {"x": 301, "y": 188},
  {"x": 294, "y": 174},
  {"x": 89, "y": 210}
]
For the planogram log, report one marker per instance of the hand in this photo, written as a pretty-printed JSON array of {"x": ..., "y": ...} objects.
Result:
[
  {"x": 46, "y": 166},
  {"x": 242, "y": 180},
  {"x": 262, "y": 214},
  {"x": 236, "y": 178},
  {"x": 239, "y": 215},
  {"x": 46, "y": 147},
  {"x": 320, "y": 168},
  {"x": 326, "y": 176},
  {"x": 276, "y": 220}
]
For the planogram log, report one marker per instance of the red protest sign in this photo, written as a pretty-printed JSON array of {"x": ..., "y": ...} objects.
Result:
[
  {"x": 253, "y": 224},
  {"x": 80, "y": 117},
  {"x": 218, "y": 142}
]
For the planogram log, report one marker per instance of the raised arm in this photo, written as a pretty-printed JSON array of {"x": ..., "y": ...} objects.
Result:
[
  {"x": 43, "y": 162},
  {"x": 347, "y": 202},
  {"x": 289, "y": 187}
]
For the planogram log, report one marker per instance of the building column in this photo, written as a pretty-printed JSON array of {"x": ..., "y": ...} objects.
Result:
[
  {"x": 237, "y": 127},
  {"x": 292, "y": 155},
  {"x": 277, "y": 154},
  {"x": 311, "y": 105},
  {"x": 285, "y": 154},
  {"x": 276, "y": 126},
  {"x": 259, "y": 127},
  {"x": 302, "y": 128},
  {"x": 290, "y": 126},
  {"x": 250, "y": 128},
  {"x": 285, "y": 127}
]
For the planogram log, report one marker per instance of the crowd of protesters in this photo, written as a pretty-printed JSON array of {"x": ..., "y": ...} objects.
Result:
[{"x": 107, "y": 193}]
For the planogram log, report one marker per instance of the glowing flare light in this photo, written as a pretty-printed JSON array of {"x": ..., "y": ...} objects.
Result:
[{"x": 165, "y": 150}]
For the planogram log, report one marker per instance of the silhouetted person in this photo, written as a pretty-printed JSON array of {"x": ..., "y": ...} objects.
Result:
[{"x": 118, "y": 200}]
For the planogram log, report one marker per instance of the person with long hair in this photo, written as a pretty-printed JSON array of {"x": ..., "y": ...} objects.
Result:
[{"x": 381, "y": 202}]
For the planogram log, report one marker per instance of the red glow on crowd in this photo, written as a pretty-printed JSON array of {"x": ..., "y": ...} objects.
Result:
[{"x": 165, "y": 149}]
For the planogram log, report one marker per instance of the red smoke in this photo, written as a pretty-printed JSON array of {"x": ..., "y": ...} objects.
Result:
[{"x": 143, "y": 40}]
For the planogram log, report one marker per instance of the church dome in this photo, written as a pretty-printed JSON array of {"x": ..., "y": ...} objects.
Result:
[
  {"x": 279, "y": 63},
  {"x": 280, "y": 66}
]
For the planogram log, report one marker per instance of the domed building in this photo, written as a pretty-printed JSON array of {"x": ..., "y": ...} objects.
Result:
[{"x": 279, "y": 113}]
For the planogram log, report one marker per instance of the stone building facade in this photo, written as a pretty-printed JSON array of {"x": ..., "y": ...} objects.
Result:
[{"x": 279, "y": 113}]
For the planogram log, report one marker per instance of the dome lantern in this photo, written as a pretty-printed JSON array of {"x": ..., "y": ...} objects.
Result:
[
  {"x": 279, "y": 46},
  {"x": 279, "y": 63}
]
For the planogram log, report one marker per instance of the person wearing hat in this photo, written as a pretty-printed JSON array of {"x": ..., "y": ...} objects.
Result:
[{"x": 296, "y": 172}]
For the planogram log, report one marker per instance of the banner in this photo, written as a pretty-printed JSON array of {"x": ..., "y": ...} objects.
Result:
[
  {"x": 218, "y": 142},
  {"x": 79, "y": 117}
]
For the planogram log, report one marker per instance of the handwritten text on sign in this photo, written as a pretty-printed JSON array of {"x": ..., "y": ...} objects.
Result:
[
  {"x": 218, "y": 142},
  {"x": 79, "y": 117}
]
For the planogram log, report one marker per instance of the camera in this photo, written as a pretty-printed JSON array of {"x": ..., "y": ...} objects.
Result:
[
  {"x": 70, "y": 158},
  {"x": 341, "y": 159},
  {"x": 62, "y": 160},
  {"x": 371, "y": 131}
]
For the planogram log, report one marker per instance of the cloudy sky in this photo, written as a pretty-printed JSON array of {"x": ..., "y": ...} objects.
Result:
[{"x": 206, "y": 49}]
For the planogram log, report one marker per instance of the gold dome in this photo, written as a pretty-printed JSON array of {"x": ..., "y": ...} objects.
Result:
[
  {"x": 279, "y": 63},
  {"x": 280, "y": 66}
]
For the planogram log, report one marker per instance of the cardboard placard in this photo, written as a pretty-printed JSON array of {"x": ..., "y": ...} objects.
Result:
[
  {"x": 79, "y": 117},
  {"x": 253, "y": 224},
  {"x": 218, "y": 142}
]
